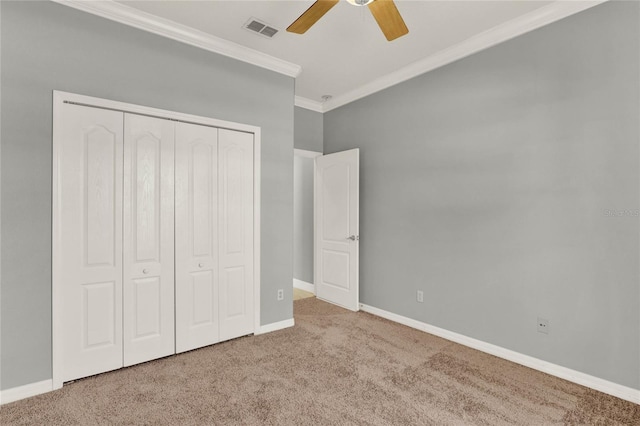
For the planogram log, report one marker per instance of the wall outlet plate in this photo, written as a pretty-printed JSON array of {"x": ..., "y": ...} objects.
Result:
[
  {"x": 281, "y": 294},
  {"x": 420, "y": 296},
  {"x": 543, "y": 325}
]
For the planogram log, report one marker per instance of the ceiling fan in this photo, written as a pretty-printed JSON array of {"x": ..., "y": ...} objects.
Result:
[{"x": 385, "y": 13}]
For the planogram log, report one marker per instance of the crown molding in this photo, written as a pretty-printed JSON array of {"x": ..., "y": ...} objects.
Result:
[
  {"x": 164, "y": 27},
  {"x": 135, "y": 18},
  {"x": 307, "y": 103},
  {"x": 503, "y": 32}
]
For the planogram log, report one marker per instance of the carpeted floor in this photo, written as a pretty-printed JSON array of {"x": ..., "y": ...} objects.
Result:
[{"x": 334, "y": 367}]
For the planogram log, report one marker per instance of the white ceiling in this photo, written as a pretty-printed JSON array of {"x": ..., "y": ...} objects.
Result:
[{"x": 345, "y": 50}]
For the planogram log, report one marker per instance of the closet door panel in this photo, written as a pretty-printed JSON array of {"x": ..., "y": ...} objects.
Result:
[
  {"x": 90, "y": 230},
  {"x": 148, "y": 239},
  {"x": 235, "y": 183},
  {"x": 196, "y": 236}
]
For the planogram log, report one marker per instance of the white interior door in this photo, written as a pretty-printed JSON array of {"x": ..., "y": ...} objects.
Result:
[
  {"x": 89, "y": 230},
  {"x": 196, "y": 236},
  {"x": 148, "y": 239},
  {"x": 336, "y": 237},
  {"x": 235, "y": 195}
]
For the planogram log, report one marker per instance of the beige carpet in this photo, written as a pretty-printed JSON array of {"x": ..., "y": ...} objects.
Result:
[{"x": 334, "y": 367}]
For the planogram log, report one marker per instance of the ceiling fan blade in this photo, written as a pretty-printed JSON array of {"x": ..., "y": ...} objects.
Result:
[
  {"x": 311, "y": 16},
  {"x": 388, "y": 18}
]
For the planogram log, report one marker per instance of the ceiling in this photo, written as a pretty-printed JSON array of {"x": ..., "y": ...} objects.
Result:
[{"x": 345, "y": 50}]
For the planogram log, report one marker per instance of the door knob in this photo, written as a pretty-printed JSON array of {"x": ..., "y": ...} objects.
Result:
[
  {"x": 200, "y": 265},
  {"x": 353, "y": 238},
  {"x": 145, "y": 271}
]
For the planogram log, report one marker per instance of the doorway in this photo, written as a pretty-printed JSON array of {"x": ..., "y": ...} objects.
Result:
[
  {"x": 303, "y": 178},
  {"x": 326, "y": 227}
]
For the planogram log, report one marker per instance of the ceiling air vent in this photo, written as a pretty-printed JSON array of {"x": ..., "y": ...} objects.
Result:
[{"x": 259, "y": 27}]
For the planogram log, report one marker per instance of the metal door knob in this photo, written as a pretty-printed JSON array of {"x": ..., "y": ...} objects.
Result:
[
  {"x": 200, "y": 265},
  {"x": 145, "y": 271},
  {"x": 353, "y": 238}
]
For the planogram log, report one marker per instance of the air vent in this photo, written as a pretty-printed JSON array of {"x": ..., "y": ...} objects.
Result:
[
  {"x": 268, "y": 31},
  {"x": 259, "y": 27}
]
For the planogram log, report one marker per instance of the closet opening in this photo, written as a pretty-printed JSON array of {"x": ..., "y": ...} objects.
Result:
[{"x": 156, "y": 234}]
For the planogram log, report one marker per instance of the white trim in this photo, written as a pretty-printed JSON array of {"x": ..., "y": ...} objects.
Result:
[
  {"x": 605, "y": 386},
  {"x": 308, "y": 104},
  {"x": 303, "y": 285},
  {"x": 164, "y": 27},
  {"x": 305, "y": 153},
  {"x": 0, "y": 201},
  {"x": 25, "y": 391},
  {"x": 275, "y": 326},
  {"x": 60, "y": 96},
  {"x": 257, "y": 250},
  {"x": 503, "y": 32},
  {"x": 56, "y": 241},
  {"x": 56, "y": 300}
]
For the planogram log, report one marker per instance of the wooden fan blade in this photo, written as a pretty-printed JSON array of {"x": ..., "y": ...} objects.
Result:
[
  {"x": 311, "y": 16},
  {"x": 388, "y": 18}
]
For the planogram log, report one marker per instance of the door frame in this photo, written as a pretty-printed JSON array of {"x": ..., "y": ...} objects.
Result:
[{"x": 59, "y": 99}]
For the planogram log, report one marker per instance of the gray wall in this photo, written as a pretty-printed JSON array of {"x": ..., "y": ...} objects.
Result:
[
  {"x": 303, "y": 218},
  {"x": 47, "y": 46},
  {"x": 490, "y": 183},
  {"x": 308, "y": 129}
]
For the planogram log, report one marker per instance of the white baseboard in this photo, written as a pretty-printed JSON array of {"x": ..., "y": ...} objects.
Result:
[
  {"x": 596, "y": 383},
  {"x": 274, "y": 326},
  {"x": 303, "y": 285},
  {"x": 25, "y": 391}
]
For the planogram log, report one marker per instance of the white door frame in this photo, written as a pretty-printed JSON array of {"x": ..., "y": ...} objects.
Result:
[
  {"x": 303, "y": 153},
  {"x": 59, "y": 99}
]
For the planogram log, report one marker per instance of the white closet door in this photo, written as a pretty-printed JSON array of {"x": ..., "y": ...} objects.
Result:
[
  {"x": 148, "y": 239},
  {"x": 235, "y": 195},
  {"x": 89, "y": 253},
  {"x": 196, "y": 236}
]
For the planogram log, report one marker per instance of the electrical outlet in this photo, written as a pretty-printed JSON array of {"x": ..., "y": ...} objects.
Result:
[
  {"x": 420, "y": 296},
  {"x": 281, "y": 294},
  {"x": 543, "y": 325}
]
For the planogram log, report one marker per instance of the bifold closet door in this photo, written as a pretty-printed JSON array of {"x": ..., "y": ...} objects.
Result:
[
  {"x": 89, "y": 239},
  {"x": 235, "y": 217},
  {"x": 196, "y": 236},
  {"x": 148, "y": 284},
  {"x": 214, "y": 235},
  {"x": 131, "y": 289}
]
